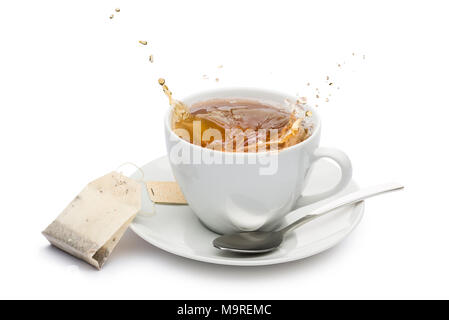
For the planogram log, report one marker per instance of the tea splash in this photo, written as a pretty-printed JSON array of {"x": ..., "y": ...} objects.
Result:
[{"x": 238, "y": 125}]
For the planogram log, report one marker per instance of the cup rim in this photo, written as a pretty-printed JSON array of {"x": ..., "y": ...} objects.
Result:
[{"x": 316, "y": 115}]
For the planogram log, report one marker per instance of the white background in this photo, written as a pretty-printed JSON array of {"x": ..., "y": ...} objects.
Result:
[{"x": 78, "y": 97}]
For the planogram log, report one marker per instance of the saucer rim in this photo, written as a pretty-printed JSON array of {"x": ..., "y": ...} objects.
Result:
[
  {"x": 253, "y": 263},
  {"x": 358, "y": 208}
]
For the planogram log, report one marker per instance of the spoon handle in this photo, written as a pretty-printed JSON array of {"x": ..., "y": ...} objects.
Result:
[{"x": 351, "y": 198}]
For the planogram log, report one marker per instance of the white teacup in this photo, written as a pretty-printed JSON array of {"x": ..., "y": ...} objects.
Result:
[{"x": 233, "y": 191}]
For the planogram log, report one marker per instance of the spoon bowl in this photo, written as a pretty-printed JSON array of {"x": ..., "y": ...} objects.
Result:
[{"x": 249, "y": 242}]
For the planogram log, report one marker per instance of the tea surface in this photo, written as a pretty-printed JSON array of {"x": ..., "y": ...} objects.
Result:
[{"x": 240, "y": 125}]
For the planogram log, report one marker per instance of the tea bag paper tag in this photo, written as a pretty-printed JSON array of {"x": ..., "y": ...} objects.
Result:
[
  {"x": 165, "y": 192},
  {"x": 90, "y": 227}
]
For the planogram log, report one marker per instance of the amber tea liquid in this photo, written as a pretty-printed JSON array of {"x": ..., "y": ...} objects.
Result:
[
  {"x": 236, "y": 125},
  {"x": 242, "y": 125}
]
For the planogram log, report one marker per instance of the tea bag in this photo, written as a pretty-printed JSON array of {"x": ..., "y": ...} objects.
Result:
[{"x": 90, "y": 227}]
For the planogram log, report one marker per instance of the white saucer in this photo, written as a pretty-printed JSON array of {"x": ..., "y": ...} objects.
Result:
[{"x": 175, "y": 228}]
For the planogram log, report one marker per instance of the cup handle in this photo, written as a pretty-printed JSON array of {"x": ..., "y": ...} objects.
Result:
[{"x": 345, "y": 168}]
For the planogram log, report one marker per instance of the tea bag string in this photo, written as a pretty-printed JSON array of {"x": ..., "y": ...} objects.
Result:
[
  {"x": 142, "y": 173},
  {"x": 142, "y": 181}
]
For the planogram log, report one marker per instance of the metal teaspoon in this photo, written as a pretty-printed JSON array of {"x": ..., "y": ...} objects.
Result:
[{"x": 260, "y": 241}]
